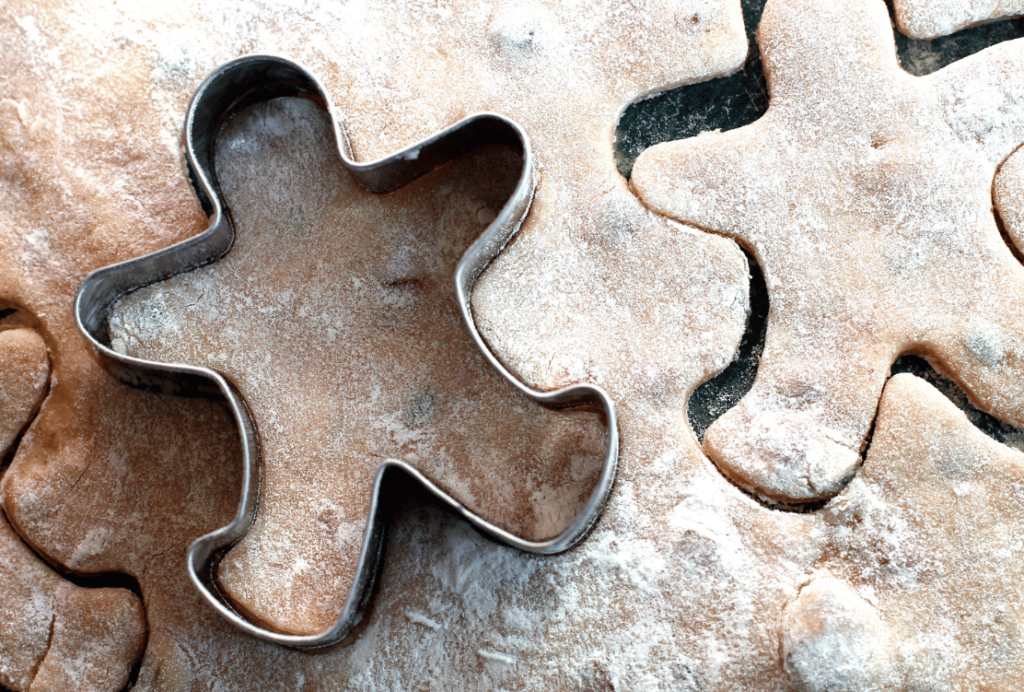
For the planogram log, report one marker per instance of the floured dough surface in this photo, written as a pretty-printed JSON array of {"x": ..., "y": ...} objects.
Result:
[
  {"x": 25, "y": 369},
  {"x": 925, "y": 542},
  {"x": 53, "y": 635},
  {"x": 934, "y": 18},
  {"x": 865, "y": 195},
  {"x": 1009, "y": 198},
  {"x": 684, "y": 583},
  {"x": 335, "y": 315}
]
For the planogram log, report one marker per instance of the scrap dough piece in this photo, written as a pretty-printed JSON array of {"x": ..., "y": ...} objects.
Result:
[
  {"x": 865, "y": 195},
  {"x": 25, "y": 369},
  {"x": 934, "y": 18},
  {"x": 56, "y": 636},
  {"x": 53, "y": 635},
  {"x": 929, "y": 534},
  {"x": 1009, "y": 197},
  {"x": 335, "y": 316}
]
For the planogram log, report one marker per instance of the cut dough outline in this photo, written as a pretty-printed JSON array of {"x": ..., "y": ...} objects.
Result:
[{"x": 774, "y": 498}]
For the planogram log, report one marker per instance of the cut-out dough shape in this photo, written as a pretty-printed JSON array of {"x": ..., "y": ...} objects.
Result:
[
  {"x": 54, "y": 636},
  {"x": 1009, "y": 198},
  {"x": 928, "y": 533},
  {"x": 934, "y": 18},
  {"x": 866, "y": 196}
]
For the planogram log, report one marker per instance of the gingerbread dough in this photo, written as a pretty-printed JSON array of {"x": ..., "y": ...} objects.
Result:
[
  {"x": 53, "y": 635},
  {"x": 865, "y": 195},
  {"x": 934, "y": 18},
  {"x": 682, "y": 585},
  {"x": 922, "y": 551},
  {"x": 455, "y": 609}
]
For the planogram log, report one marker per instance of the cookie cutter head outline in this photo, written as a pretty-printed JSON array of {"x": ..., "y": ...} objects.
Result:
[{"x": 230, "y": 88}]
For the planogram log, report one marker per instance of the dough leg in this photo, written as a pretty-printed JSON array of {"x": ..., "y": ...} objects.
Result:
[
  {"x": 797, "y": 435},
  {"x": 985, "y": 355}
]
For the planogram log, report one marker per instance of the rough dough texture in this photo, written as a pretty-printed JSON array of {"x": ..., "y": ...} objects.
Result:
[
  {"x": 1009, "y": 198},
  {"x": 865, "y": 195},
  {"x": 834, "y": 641},
  {"x": 53, "y": 635},
  {"x": 684, "y": 582},
  {"x": 928, "y": 535},
  {"x": 335, "y": 316},
  {"x": 25, "y": 369},
  {"x": 934, "y": 18}
]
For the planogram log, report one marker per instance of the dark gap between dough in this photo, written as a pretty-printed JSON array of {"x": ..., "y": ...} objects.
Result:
[
  {"x": 987, "y": 423},
  {"x": 723, "y": 391},
  {"x": 727, "y": 103}
]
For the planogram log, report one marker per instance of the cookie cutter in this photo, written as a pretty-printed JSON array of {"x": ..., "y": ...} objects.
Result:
[{"x": 230, "y": 88}]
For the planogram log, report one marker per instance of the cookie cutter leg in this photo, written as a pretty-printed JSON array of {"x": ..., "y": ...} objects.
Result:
[{"x": 229, "y": 89}]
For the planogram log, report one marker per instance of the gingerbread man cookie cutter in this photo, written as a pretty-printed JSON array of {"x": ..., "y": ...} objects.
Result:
[{"x": 232, "y": 87}]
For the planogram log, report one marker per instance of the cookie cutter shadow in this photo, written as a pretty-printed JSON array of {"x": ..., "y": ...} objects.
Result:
[{"x": 229, "y": 89}]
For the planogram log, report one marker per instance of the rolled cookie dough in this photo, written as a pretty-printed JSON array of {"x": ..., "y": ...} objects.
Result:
[
  {"x": 934, "y": 18},
  {"x": 54, "y": 635},
  {"x": 865, "y": 194}
]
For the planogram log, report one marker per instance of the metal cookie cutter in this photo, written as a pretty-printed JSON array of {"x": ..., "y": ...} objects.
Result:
[{"x": 229, "y": 89}]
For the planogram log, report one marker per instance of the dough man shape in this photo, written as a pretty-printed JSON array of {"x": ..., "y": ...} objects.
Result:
[{"x": 866, "y": 196}]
